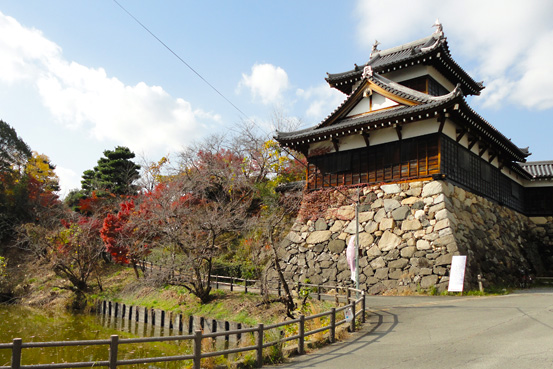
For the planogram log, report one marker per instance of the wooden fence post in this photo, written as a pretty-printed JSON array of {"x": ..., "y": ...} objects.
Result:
[
  {"x": 332, "y": 332},
  {"x": 16, "y": 353},
  {"x": 197, "y": 349},
  {"x": 301, "y": 339},
  {"x": 113, "y": 346},
  {"x": 259, "y": 345},
  {"x": 245, "y": 285},
  {"x": 319, "y": 292},
  {"x": 231, "y": 284}
]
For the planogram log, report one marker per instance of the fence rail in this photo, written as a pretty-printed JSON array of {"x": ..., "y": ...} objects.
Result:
[{"x": 357, "y": 306}]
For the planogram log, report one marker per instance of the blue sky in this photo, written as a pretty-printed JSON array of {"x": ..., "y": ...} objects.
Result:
[{"x": 80, "y": 77}]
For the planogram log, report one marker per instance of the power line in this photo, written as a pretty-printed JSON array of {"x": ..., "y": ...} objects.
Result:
[
  {"x": 212, "y": 87},
  {"x": 181, "y": 59}
]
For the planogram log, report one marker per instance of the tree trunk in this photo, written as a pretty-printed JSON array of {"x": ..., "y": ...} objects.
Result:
[{"x": 288, "y": 299}]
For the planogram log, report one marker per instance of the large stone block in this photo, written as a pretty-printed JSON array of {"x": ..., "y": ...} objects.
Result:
[
  {"x": 443, "y": 259},
  {"x": 429, "y": 281},
  {"x": 411, "y": 225},
  {"x": 345, "y": 212},
  {"x": 398, "y": 264},
  {"x": 401, "y": 212},
  {"x": 337, "y": 246},
  {"x": 387, "y": 223},
  {"x": 432, "y": 188},
  {"x": 381, "y": 273},
  {"x": 389, "y": 241},
  {"x": 391, "y": 189},
  {"x": 318, "y": 237},
  {"x": 391, "y": 204},
  {"x": 371, "y": 226},
  {"x": 378, "y": 263},
  {"x": 320, "y": 225},
  {"x": 408, "y": 252}
]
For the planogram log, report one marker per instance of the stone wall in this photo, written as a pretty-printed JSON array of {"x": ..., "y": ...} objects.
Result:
[{"x": 408, "y": 235}]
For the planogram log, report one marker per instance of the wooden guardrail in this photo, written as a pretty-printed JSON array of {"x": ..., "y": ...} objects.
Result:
[{"x": 357, "y": 306}]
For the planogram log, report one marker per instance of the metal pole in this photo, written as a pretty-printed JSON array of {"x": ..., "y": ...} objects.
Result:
[{"x": 357, "y": 245}]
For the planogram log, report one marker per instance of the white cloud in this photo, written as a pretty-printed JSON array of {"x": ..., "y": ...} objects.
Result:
[
  {"x": 144, "y": 118},
  {"x": 322, "y": 100},
  {"x": 509, "y": 42},
  {"x": 68, "y": 180},
  {"x": 266, "y": 82}
]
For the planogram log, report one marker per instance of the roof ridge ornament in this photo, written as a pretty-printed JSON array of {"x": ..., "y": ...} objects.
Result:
[
  {"x": 439, "y": 28},
  {"x": 375, "y": 47},
  {"x": 367, "y": 72}
]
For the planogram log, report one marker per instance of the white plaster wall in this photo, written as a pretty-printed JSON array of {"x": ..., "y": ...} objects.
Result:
[
  {"x": 421, "y": 128},
  {"x": 381, "y": 102},
  {"x": 321, "y": 145},
  {"x": 363, "y": 106}
]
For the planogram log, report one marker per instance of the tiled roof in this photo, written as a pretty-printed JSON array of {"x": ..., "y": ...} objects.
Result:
[
  {"x": 389, "y": 116},
  {"x": 433, "y": 47},
  {"x": 539, "y": 169}
]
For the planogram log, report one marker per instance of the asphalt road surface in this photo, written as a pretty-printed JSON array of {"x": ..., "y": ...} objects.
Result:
[{"x": 511, "y": 331}]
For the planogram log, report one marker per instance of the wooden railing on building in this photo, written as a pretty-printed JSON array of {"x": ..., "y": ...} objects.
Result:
[{"x": 357, "y": 306}]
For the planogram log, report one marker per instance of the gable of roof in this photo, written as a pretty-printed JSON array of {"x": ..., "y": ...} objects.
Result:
[
  {"x": 432, "y": 50},
  {"x": 404, "y": 96}
]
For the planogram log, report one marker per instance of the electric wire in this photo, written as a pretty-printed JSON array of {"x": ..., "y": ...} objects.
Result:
[
  {"x": 244, "y": 115},
  {"x": 181, "y": 59}
]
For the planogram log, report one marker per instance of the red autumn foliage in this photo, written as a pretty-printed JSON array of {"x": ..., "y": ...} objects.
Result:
[{"x": 116, "y": 234}]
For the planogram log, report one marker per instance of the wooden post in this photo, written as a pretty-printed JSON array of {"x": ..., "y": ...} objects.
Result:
[
  {"x": 319, "y": 292},
  {"x": 239, "y": 335},
  {"x": 190, "y": 324},
  {"x": 113, "y": 346},
  {"x": 245, "y": 285},
  {"x": 16, "y": 353},
  {"x": 332, "y": 333},
  {"x": 301, "y": 339},
  {"x": 231, "y": 284},
  {"x": 197, "y": 349},
  {"x": 279, "y": 291},
  {"x": 123, "y": 311},
  {"x": 162, "y": 319},
  {"x": 259, "y": 345},
  {"x": 227, "y": 328},
  {"x": 217, "y": 282}
]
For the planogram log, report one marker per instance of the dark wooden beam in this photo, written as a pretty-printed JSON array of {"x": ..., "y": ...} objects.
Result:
[
  {"x": 441, "y": 120},
  {"x": 398, "y": 131},
  {"x": 482, "y": 150},
  {"x": 366, "y": 137},
  {"x": 501, "y": 163},
  {"x": 336, "y": 142},
  {"x": 493, "y": 155},
  {"x": 472, "y": 141},
  {"x": 460, "y": 134}
]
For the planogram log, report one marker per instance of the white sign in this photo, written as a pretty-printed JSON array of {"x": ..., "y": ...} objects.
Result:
[
  {"x": 457, "y": 274},
  {"x": 348, "y": 315}
]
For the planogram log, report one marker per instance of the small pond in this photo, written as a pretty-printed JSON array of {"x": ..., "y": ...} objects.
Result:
[{"x": 35, "y": 325}]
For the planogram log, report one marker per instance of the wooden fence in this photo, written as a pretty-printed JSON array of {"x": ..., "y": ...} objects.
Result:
[{"x": 357, "y": 306}]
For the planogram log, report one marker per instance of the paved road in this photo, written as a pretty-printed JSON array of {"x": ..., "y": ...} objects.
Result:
[{"x": 512, "y": 331}]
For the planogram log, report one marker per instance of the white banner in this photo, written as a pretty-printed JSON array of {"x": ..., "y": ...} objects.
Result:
[{"x": 457, "y": 274}]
